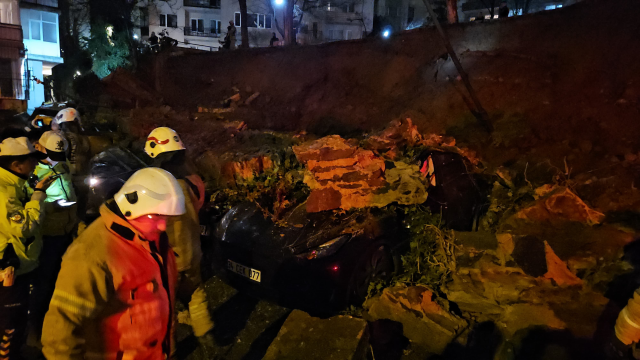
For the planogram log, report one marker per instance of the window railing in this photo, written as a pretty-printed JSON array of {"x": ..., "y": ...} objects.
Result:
[
  {"x": 214, "y": 4},
  {"x": 49, "y": 3},
  {"x": 203, "y": 32}
]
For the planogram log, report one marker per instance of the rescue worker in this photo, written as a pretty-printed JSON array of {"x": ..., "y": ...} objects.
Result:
[
  {"x": 68, "y": 122},
  {"x": 165, "y": 147},
  {"x": 78, "y": 152},
  {"x": 20, "y": 239},
  {"x": 115, "y": 291},
  {"x": 59, "y": 222}
]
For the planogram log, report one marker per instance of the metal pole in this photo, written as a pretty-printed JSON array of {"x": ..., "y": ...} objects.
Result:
[{"x": 478, "y": 112}]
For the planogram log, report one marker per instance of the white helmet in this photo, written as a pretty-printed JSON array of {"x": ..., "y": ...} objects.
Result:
[
  {"x": 150, "y": 191},
  {"x": 65, "y": 115},
  {"x": 55, "y": 144},
  {"x": 162, "y": 140}
]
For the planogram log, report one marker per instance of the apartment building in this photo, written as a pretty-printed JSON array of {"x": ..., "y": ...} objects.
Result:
[
  {"x": 193, "y": 23},
  {"x": 327, "y": 20},
  {"x": 11, "y": 55},
  {"x": 41, "y": 32}
]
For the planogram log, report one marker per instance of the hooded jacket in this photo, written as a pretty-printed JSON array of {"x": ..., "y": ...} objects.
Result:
[
  {"x": 20, "y": 220},
  {"x": 58, "y": 220},
  {"x": 114, "y": 295}
]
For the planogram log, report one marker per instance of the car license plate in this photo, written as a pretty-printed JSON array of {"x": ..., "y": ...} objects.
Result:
[{"x": 247, "y": 272}]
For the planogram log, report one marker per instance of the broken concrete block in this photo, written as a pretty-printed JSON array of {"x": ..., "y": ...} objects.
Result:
[
  {"x": 522, "y": 316},
  {"x": 557, "y": 270},
  {"x": 558, "y": 202},
  {"x": 424, "y": 321},
  {"x": 399, "y": 132},
  {"x": 306, "y": 337}
]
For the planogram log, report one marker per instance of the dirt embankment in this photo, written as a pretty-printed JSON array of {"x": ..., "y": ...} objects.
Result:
[{"x": 562, "y": 88}]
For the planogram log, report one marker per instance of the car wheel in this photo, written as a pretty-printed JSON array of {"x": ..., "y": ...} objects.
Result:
[{"x": 377, "y": 264}]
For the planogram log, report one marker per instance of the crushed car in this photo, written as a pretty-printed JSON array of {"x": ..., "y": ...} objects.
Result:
[{"x": 326, "y": 260}]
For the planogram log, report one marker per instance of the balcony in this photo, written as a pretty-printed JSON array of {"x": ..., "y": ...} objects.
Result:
[
  {"x": 47, "y": 3},
  {"x": 11, "y": 40},
  {"x": 202, "y": 32},
  {"x": 211, "y": 4}
]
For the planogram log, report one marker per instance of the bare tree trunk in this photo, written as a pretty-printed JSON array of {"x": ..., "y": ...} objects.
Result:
[
  {"x": 452, "y": 11},
  {"x": 478, "y": 111},
  {"x": 289, "y": 35},
  {"x": 244, "y": 30}
]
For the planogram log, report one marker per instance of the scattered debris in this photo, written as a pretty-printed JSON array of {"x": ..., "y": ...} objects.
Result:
[
  {"x": 424, "y": 321},
  {"x": 558, "y": 202},
  {"x": 214, "y": 110},
  {"x": 557, "y": 270},
  {"x": 251, "y": 98}
]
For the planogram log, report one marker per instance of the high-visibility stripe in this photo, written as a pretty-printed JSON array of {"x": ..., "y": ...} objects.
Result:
[
  {"x": 625, "y": 314},
  {"x": 72, "y": 303}
]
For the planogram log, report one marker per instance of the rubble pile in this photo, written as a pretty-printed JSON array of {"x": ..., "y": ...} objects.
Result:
[
  {"x": 560, "y": 203},
  {"x": 341, "y": 175}
]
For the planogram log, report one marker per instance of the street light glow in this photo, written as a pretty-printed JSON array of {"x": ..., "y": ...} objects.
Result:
[
  {"x": 386, "y": 33},
  {"x": 135, "y": 36},
  {"x": 279, "y": 2}
]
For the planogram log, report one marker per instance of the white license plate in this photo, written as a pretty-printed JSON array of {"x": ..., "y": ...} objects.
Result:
[{"x": 247, "y": 272}]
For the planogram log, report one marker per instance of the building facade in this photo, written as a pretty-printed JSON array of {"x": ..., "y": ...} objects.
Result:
[
  {"x": 193, "y": 23},
  {"x": 202, "y": 24},
  {"x": 41, "y": 32},
  {"x": 326, "y": 20},
  {"x": 11, "y": 55}
]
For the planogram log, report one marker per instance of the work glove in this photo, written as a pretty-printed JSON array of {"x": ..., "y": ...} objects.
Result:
[{"x": 617, "y": 350}]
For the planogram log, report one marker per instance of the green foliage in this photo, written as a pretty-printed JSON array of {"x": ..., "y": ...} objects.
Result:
[
  {"x": 109, "y": 49},
  {"x": 430, "y": 259},
  {"x": 274, "y": 191}
]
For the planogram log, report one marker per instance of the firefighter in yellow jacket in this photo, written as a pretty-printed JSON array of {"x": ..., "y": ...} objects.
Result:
[
  {"x": 20, "y": 238},
  {"x": 114, "y": 295},
  {"x": 168, "y": 151}
]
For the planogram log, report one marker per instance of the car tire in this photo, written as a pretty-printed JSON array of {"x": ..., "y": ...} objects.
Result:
[{"x": 376, "y": 264}]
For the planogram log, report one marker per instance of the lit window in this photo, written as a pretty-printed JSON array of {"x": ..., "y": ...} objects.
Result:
[
  {"x": 487, "y": 17},
  {"x": 550, "y": 7},
  {"x": 495, "y": 16},
  {"x": 473, "y": 18},
  {"x": 558, "y": 7}
]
